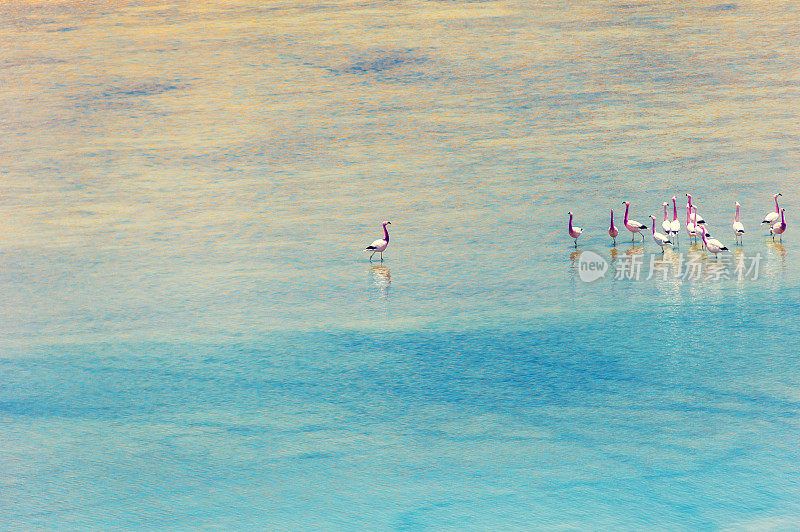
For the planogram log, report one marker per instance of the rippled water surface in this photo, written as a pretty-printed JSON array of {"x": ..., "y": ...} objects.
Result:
[{"x": 192, "y": 336}]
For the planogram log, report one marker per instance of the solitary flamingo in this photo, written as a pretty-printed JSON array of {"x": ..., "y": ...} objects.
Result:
[
  {"x": 612, "y": 229},
  {"x": 779, "y": 227},
  {"x": 772, "y": 217},
  {"x": 632, "y": 225},
  {"x": 698, "y": 220},
  {"x": 738, "y": 227},
  {"x": 379, "y": 246},
  {"x": 574, "y": 232},
  {"x": 666, "y": 225},
  {"x": 712, "y": 244},
  {"x": 661, "y": 240},
  {"x": 675, "y": 226}
]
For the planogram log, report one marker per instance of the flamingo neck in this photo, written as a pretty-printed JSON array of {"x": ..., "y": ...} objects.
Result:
[
  {"x": 736, "y": 218},
  {"x": 689, "y": 197},
  {"x": 385, "y": 233},
  {"x": 783, "y": 220},
  {"x": 625, "y": 221},
  {"x": 665, "y": 213},
  {"x": 570, "y": 223},
  {"x": 612, "y": 219},
  {"x": 674, "y": 210},
  {"x": 654, "y": 225},
  {"x": 688, "y": 214},
  {"x": 776, "y": 204}
]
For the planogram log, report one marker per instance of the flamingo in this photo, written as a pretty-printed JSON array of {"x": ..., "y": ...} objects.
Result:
[
  {"x": 779, "y": 227},
  {"x": 666, "y": 225},
  {"x": 661, "y": 240},
  {"x": 699, "y": 225},
  {"x": 612, "y": 229},
  {"x": 738, "y": 227},
  {"x": 675, "y": 226},
  {"x": 574, "y": 232},
  {"x": 713, "y": 245},
  {"x": 698, "y": 220},
  {"x": 691, "y": 227},
  {"x": 632, "y": 225},
  {"x": 771, "y": 217},
  {"x": 379, "y": 246}
]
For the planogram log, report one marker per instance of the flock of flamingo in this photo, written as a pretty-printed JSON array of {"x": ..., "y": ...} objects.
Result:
[{"x": 695, "y": 226}]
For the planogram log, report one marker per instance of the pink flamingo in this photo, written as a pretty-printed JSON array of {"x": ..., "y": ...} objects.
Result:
[
  {"x": 574, "y": 232},
  {"x": 694, "y": 228},
  {"x": 713, "y": 245},
  {"x": 661, "y": 240},
  {"x": 779, "y": 227},
  {"x": 632, "y": 225},
  {"x": 691, "y": 227},
  {"x": 612, "y": 229},
  {"x": 738, "y": 227},
  {"x": 699, "y": 225},
  {"x": 666, "y": 225},
  {"x": 698, "y": 220},
  {"x": 675, "y": 226},
  {"x": 379, "y": 246},
  {"x": 772, "y": 217}
]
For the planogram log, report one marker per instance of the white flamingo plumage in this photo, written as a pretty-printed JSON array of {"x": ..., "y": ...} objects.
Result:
[
  {"x": 712, "y": 244},
  {"x": 696, "y": 218},
  {"x": 691, "y": 227},
  {"x": 675, "y": 226},
  {"x": 380, "y": 245},
  {"x": 738, "y": 227},
  {"x": 661, "y": 240},
  {"x": 666, "y": 225},
  {"x": 772, "y": 217},
  {"x": 632, "y": 225}
]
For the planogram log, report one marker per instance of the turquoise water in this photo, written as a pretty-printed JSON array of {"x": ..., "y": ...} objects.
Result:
[{"x": 192, "y": 336}]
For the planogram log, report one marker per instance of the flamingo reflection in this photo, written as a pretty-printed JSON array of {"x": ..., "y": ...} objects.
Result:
[{"x": 381, "y": 279}]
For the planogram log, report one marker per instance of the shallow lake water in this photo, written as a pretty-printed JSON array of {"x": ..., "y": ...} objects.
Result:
[{"x": 193, "y": 337}]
